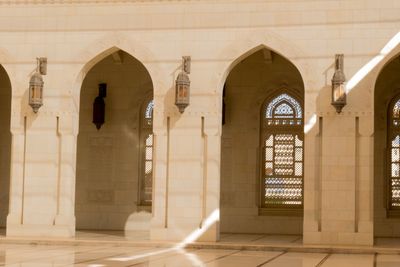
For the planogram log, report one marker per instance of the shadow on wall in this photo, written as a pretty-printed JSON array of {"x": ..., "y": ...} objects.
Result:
[
  {"x": 109, "y": 160},
  {"x": 262, "y": 75},
  {"x": 5, "y": 144}
]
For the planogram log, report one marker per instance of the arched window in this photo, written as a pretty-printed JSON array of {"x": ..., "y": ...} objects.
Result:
[
  {"x": 282, "y": 142},
  {"x": 146, "y": 154},
  {"x": 394, "y": 154}
]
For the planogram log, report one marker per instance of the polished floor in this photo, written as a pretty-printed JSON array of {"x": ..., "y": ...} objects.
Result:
[
  {"x": 98, "y": 256},
  {"x": 114, "y": 248},
  {"x": 143, "y": 237}
]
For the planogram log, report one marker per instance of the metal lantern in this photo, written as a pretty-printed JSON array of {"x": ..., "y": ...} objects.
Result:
[
  {"x": 99, "y": 107},
  {"x": 338, "y": 85},
  {"x": 36, "y": 91},
  {"x": 182, "y": 89},
  {"x": 36, "y": 85}
]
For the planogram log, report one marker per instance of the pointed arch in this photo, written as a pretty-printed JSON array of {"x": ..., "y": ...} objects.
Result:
[
  {"x": 286, "y": 103},
  {"x": 111, "y": 156},
  {"x": 381, "y": 60},
  {"x": 258, "y": 79},
  {"x": 109, "y": 44},
  {"x": 250, "y": 42},
  {"x": 386, "y": 105}
]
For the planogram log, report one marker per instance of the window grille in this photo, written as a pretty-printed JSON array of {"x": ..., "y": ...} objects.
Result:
[
  {"x": 146, "y": 155},
  {"x": 283, "y": 153},
  {"x": 394, "y": 155}
]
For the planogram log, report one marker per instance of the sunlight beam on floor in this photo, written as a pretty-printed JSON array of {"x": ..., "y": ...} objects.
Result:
[{"x": 179, "y": 248}]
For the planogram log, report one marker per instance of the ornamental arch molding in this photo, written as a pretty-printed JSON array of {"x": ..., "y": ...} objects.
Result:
[
  {"x": 254, "y": 41},
  {"x": 364, "y": 81},
  {"x": 5, "y": 62},
  {"x": 386, "y": 59},
  {"x": 107, "y": 45}
]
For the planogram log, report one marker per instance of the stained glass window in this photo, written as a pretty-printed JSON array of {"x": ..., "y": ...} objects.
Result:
[
  {"x": 282, "y": 176},
  {"x": 146, "y": 139},
  {"x": 394, "y": 155},
  {"x": 148, "y": 115},
  {"x": 283, "y": 110}
]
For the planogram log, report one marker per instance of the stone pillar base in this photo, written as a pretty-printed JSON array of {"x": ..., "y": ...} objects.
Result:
[
  {"x": 338, "y": 238},
  {"x": 21, "y": 230}
]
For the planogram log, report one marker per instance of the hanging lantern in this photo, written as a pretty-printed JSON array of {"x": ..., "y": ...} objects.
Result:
[
  {"x": 99, "y": 106},
  {"x": 338, "y": 85},
  {"x": 182, "y": 90},
  {"x": 36, "y": 85}
]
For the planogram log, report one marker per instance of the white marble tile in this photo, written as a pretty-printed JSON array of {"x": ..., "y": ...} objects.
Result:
[
  {"x": 296, "y": 260},
  {"x": 349, "y": 260},
  {"x": 152, "y": 255},
  {"x": 244, "y": 258},
  {"x": 121, "y": 256}
]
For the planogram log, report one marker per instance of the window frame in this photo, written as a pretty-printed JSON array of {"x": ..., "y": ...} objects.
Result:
[
  {"x": 145, "y": 129},
  {"x": 265, "y": 132},
  {"x": 391, "y": 133}
]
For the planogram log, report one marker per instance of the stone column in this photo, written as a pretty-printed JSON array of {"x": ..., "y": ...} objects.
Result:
[
  {"x": 14, "y": 217},
  {"x": 211, "y": 178},
  {"x": 35, "y": 175},
  {"x": 312, "y": 177},
  {"x": 365, "y": 180},
  {"x": 160, "y": 162},
  {"x": 67, "y": 142},
  {"x": 338, "y": 179},
  {"x": 187, "y": 179},
  {"x": 346, "y": 182}
]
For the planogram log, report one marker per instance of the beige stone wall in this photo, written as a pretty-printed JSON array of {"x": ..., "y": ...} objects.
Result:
[
  {"x": 108, "y": 160},
  {"x": 247, "y": 86},
  {"x": 5, "y": 145},
  {"x": 217, "y": 35}
]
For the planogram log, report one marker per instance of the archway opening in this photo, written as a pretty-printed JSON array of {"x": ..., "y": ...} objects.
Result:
[
  {"x": 114, "y": 163},
  {"x": 5, "y": 145},
  {"x": 387, "y": 153},
  {"x": 262, "y": 147}
]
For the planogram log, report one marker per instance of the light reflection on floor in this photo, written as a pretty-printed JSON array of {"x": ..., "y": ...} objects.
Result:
[
  {"x": 115, "y": 253},
  {"x": 98, "y": 256}
]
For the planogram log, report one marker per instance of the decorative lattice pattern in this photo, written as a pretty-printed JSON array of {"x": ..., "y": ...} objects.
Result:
[
  {"x": 147, "y": 182},
  {"x": 146, "y": 177},
  {"x": 283, "y": 154},
  {"x": 283, "y": 110},
  {"x": 396, "y": 114},
  {"x": 395, "y": 184},
  {"x": 283, "y": 170},
  {"x": 394, "y": 155},
  {"x": 148, "y": 115},
  {"x": 395, "y": 172}
]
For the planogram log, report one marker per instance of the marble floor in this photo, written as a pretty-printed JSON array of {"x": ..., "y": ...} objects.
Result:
[
  {"x": 115, "y": 249},
  {"x": 122, "y": 238},
  {"x": 99, "y": 256},
  {"x": 225, "y": 238}
]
